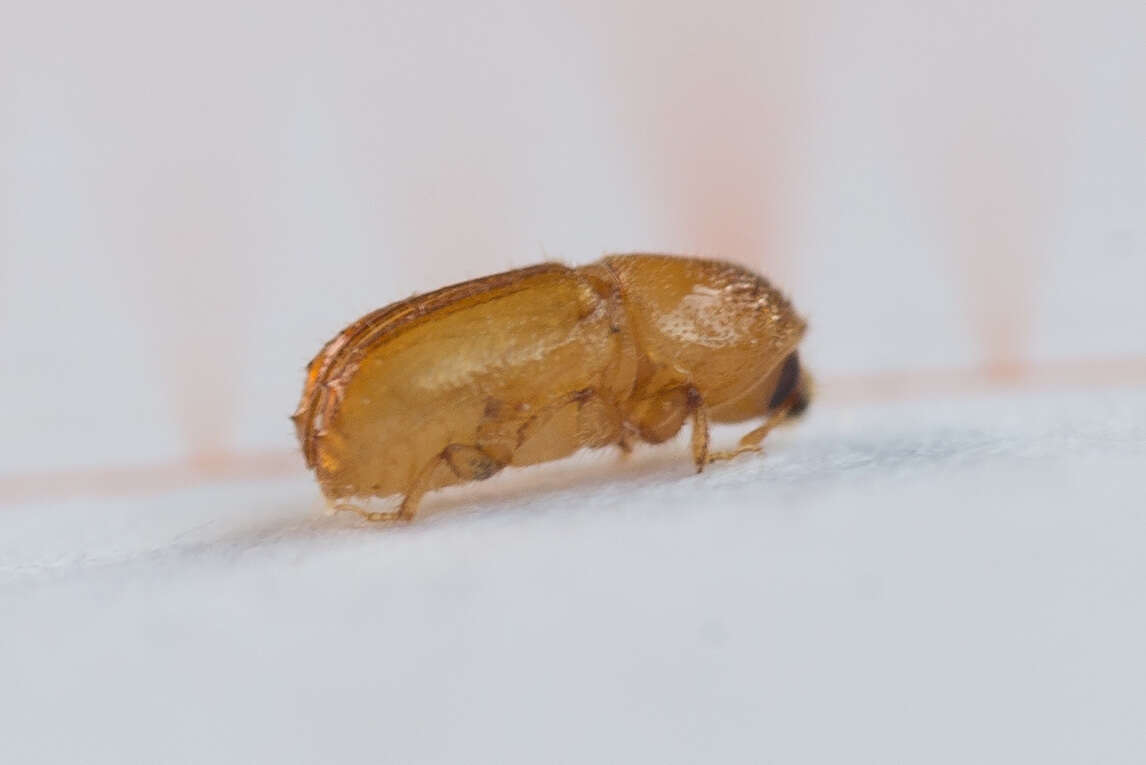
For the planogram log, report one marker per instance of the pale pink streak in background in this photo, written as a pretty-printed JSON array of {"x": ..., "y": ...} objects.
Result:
[
  {"x": 712, "y": 104},
  {"x": 991, "y": 107}
]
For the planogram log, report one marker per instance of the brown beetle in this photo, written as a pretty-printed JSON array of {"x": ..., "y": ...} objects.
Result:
[{"x": 531, "y": 365}]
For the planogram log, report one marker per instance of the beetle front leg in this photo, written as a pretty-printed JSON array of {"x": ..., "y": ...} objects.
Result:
[
  {"x": 699, "y": 439},
  {"x": 750, "y": 441},
  {"x": 660, "y": 417},
  {"x": 469, "y": 463}
]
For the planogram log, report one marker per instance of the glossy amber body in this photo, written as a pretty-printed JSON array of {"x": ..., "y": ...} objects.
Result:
[{"x": 531, "y": 365}]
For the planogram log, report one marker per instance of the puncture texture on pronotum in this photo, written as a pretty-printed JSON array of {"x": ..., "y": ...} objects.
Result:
[{"x": 534, "y": 364}]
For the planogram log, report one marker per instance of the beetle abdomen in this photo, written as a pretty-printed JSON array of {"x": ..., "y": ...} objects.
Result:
[
  {"x": 426, "y": 373},
  {"x": 332, "y": 362}
]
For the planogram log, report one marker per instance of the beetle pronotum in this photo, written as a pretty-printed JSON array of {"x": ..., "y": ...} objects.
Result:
[{"x": 531, "y": 365}]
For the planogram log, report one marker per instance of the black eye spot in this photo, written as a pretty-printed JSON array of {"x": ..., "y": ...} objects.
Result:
[
  {"x": 789, "y": 376},
  {"x": 800, "y": 405}
]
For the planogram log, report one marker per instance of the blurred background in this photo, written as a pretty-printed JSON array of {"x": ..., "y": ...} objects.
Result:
[
  {"x": 943, "y": 563},
  {"x": 195, "y": 196}
]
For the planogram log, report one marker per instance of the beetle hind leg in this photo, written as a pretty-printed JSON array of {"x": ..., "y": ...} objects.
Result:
[
  {"x": 471, "y": 463},
  {"x": 659, "y": 417},
  {"x": 376, "y": 516},
  {"x": 468, "y": 463}
]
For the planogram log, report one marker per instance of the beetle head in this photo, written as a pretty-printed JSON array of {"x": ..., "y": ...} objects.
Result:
[{"x": 793, "y": 388}]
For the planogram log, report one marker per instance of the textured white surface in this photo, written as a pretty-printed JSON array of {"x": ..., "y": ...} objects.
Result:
[{"x": 936, "y": 581}]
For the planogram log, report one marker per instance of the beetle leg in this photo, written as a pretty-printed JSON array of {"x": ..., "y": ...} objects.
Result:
[
  {"x": 409, "y": 507},
  {"x": 625, "y": 442},
  {"x": 740, "y": 449},
  {"x": 660, "y": 416},
  {"x": 469, "y": 463},
  {"x": 699, "y": 439},
  {"x": 381, "y": 516},
  {"x": 750, "y": 441}
]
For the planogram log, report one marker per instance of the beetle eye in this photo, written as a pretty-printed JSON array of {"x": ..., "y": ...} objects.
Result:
[{"x": 789, "y": 378}]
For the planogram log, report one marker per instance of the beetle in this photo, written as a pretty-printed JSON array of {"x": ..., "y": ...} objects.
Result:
[{"x": 534, "y": 364}]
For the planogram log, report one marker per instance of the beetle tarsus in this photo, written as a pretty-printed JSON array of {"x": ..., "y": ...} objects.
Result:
[
  {"x": 374, "y": 516},
  {"x": 727, "y": 455},
  {"x": 750, "y": 441}
]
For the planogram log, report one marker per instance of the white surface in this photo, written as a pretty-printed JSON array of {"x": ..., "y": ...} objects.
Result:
[{"x": 940, "y": 581}]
